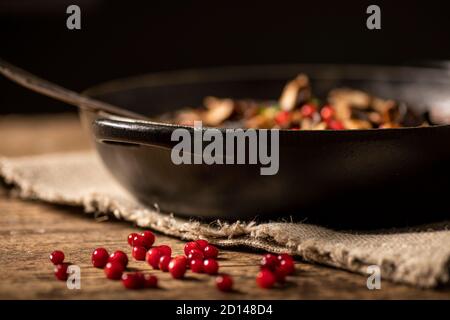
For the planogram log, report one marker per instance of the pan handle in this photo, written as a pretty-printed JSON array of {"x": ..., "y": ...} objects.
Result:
[{"x": 134, "y": 133}]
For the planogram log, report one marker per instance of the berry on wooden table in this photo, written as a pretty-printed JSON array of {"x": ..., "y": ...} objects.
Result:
[
  {"x": 177, "y": 268},
  {"x": 150, "y": 281},
  {"x": 202, "y": 243},
  {"x": 153, "y": 257},
  {"x": 224, "y": 283},
  {"x": 196, "y": 265},
  {"x": 139, "y": 253},
  {"x": 130, "y": 238},
  {"x": 164, "y": 263},
  {"x": 165, "y": 250},
  {"x": 269, "y": 261},
  {"x": 265, "y": 279},
  {"x": 189, "y": 246},
  {"x": 57, "y": 257},
  {"x": 210, "y": 251},
  {"x": 61, "y": 271},
  {"x": 120, "y": 257},
  {"x": 210, "y": 266},
  {"x": 99, "y": 257},
  {"x": 113, "y": 270},
  {"x": 134, "y": 280},
  {"x": 147, "y": 238}
]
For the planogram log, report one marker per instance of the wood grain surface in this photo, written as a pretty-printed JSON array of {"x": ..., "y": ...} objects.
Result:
[{"x": 30, "y": 230}]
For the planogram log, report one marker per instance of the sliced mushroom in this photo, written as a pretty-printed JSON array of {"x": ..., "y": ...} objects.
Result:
[
  {"x": 356, "y": 124},
  {"x": 353, "y": 98},
  {"x": 295, "y": 92},
  {"x": 218, "y": 110}
]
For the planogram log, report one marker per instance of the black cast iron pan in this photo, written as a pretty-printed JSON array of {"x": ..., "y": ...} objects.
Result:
[{"x": 349, "y": 178}]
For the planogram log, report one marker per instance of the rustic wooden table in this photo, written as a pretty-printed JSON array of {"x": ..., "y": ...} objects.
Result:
[{"x": 29, "y": 231}]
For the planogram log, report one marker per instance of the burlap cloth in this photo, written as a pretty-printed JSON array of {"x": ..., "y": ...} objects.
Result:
[{"x": 419, "y": 257}]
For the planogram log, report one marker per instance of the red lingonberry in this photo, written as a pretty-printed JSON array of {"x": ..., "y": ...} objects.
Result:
[
  {"x": 139, "y": 253},
  {"x": 327, "y": 112},
  {"x": 150, "y": 281},
  {"x": 280, "y": 274},
  {"x": 148, "y": 238},
  {"x": 287, "y": 266},
  {"x": 113, "y": 270},
  {"x": 99, "y": 257},
  {"x": 153, "y": 256},
  {"x": 165, "y": 250},
  {"x": 285, "y": 256},
  {"x": 195, "y": 254},
  {"x": 210, "y": 251},
  {"x": 164, "y": 263},
  {"x": 308, "y": 110},
  {"x": 119, "y": 256},
  {"x": 196, "y": 265},
  {"x": 282, "y": 118},
  {"x": 224, "y": 283},
  {"x": 265, "y": 279},
  {"x": 57, "y": 257},
  {"x": 269, "y": 261},
  {"x": 202, "y": 243},
  {"x": 131, "y": 238},
  {"x": 137, "y": 240},
  {"x": 189, "y": 246},
  {"x": 335, "y": 125},
  {"x": 133, "y": 280},
  {"x": 210, "y": 266},
  {"x": 61, "y": 271},
  {"x": 177, "y": 268}
]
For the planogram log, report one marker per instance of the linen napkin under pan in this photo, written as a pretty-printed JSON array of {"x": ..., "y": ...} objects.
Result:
[{"x": 419, "y": 256}]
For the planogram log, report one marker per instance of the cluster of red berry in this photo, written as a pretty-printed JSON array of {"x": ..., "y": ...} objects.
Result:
[
  {"x": 274, "y": 268},
  {"x": 199, "y": 256},
  {"x": 57, "y": 258}
]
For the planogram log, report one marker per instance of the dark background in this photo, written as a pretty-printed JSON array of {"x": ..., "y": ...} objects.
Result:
[{"x": 122, "y": 38}]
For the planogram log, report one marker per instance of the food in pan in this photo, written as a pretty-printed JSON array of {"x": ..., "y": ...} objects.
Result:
[{"x": 298, "y": 109}]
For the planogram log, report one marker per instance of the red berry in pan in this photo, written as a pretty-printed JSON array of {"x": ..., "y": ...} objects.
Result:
[
  {"x": 210, "y": 266},
  {"x": 202, "y": 243},
  {"x": 165, "y": 250},
  {"x": 189, "y": 246},
  {"x": 164, "y": 263},
  {"x": 287, "y": 266},
  {"x": 57, "y": 257},
  {"x": 139, "y": 253},
  {"x": 327, "y": 112},
  {"x": 153, "y": 257},
  {"x": 177, "y": 268},
  {"x": 269, "y": 261},
  {"x": 195, "y": 254},
  {"x": 99, "y": 257},
  {"x": 61, "y": 271},
  {"x": 307, "y": 110},
  {"x": 224, "y": 283},
  {"x": 147, "y": 238},
  {"x": 133, "y": 280},
  {"x": 130, "y": 238},
  {"x": 196, "y": 265},
  {"x": 113, "y": 270},
  {"x": 282, "y": 118},
  {"x": 150, "y": 281},
  {"x": 120, "y": 257},
  {"x": 265, "y": 279},
  {"x": 335, "y": 125},
  {"x": 210, "y": 251}
]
